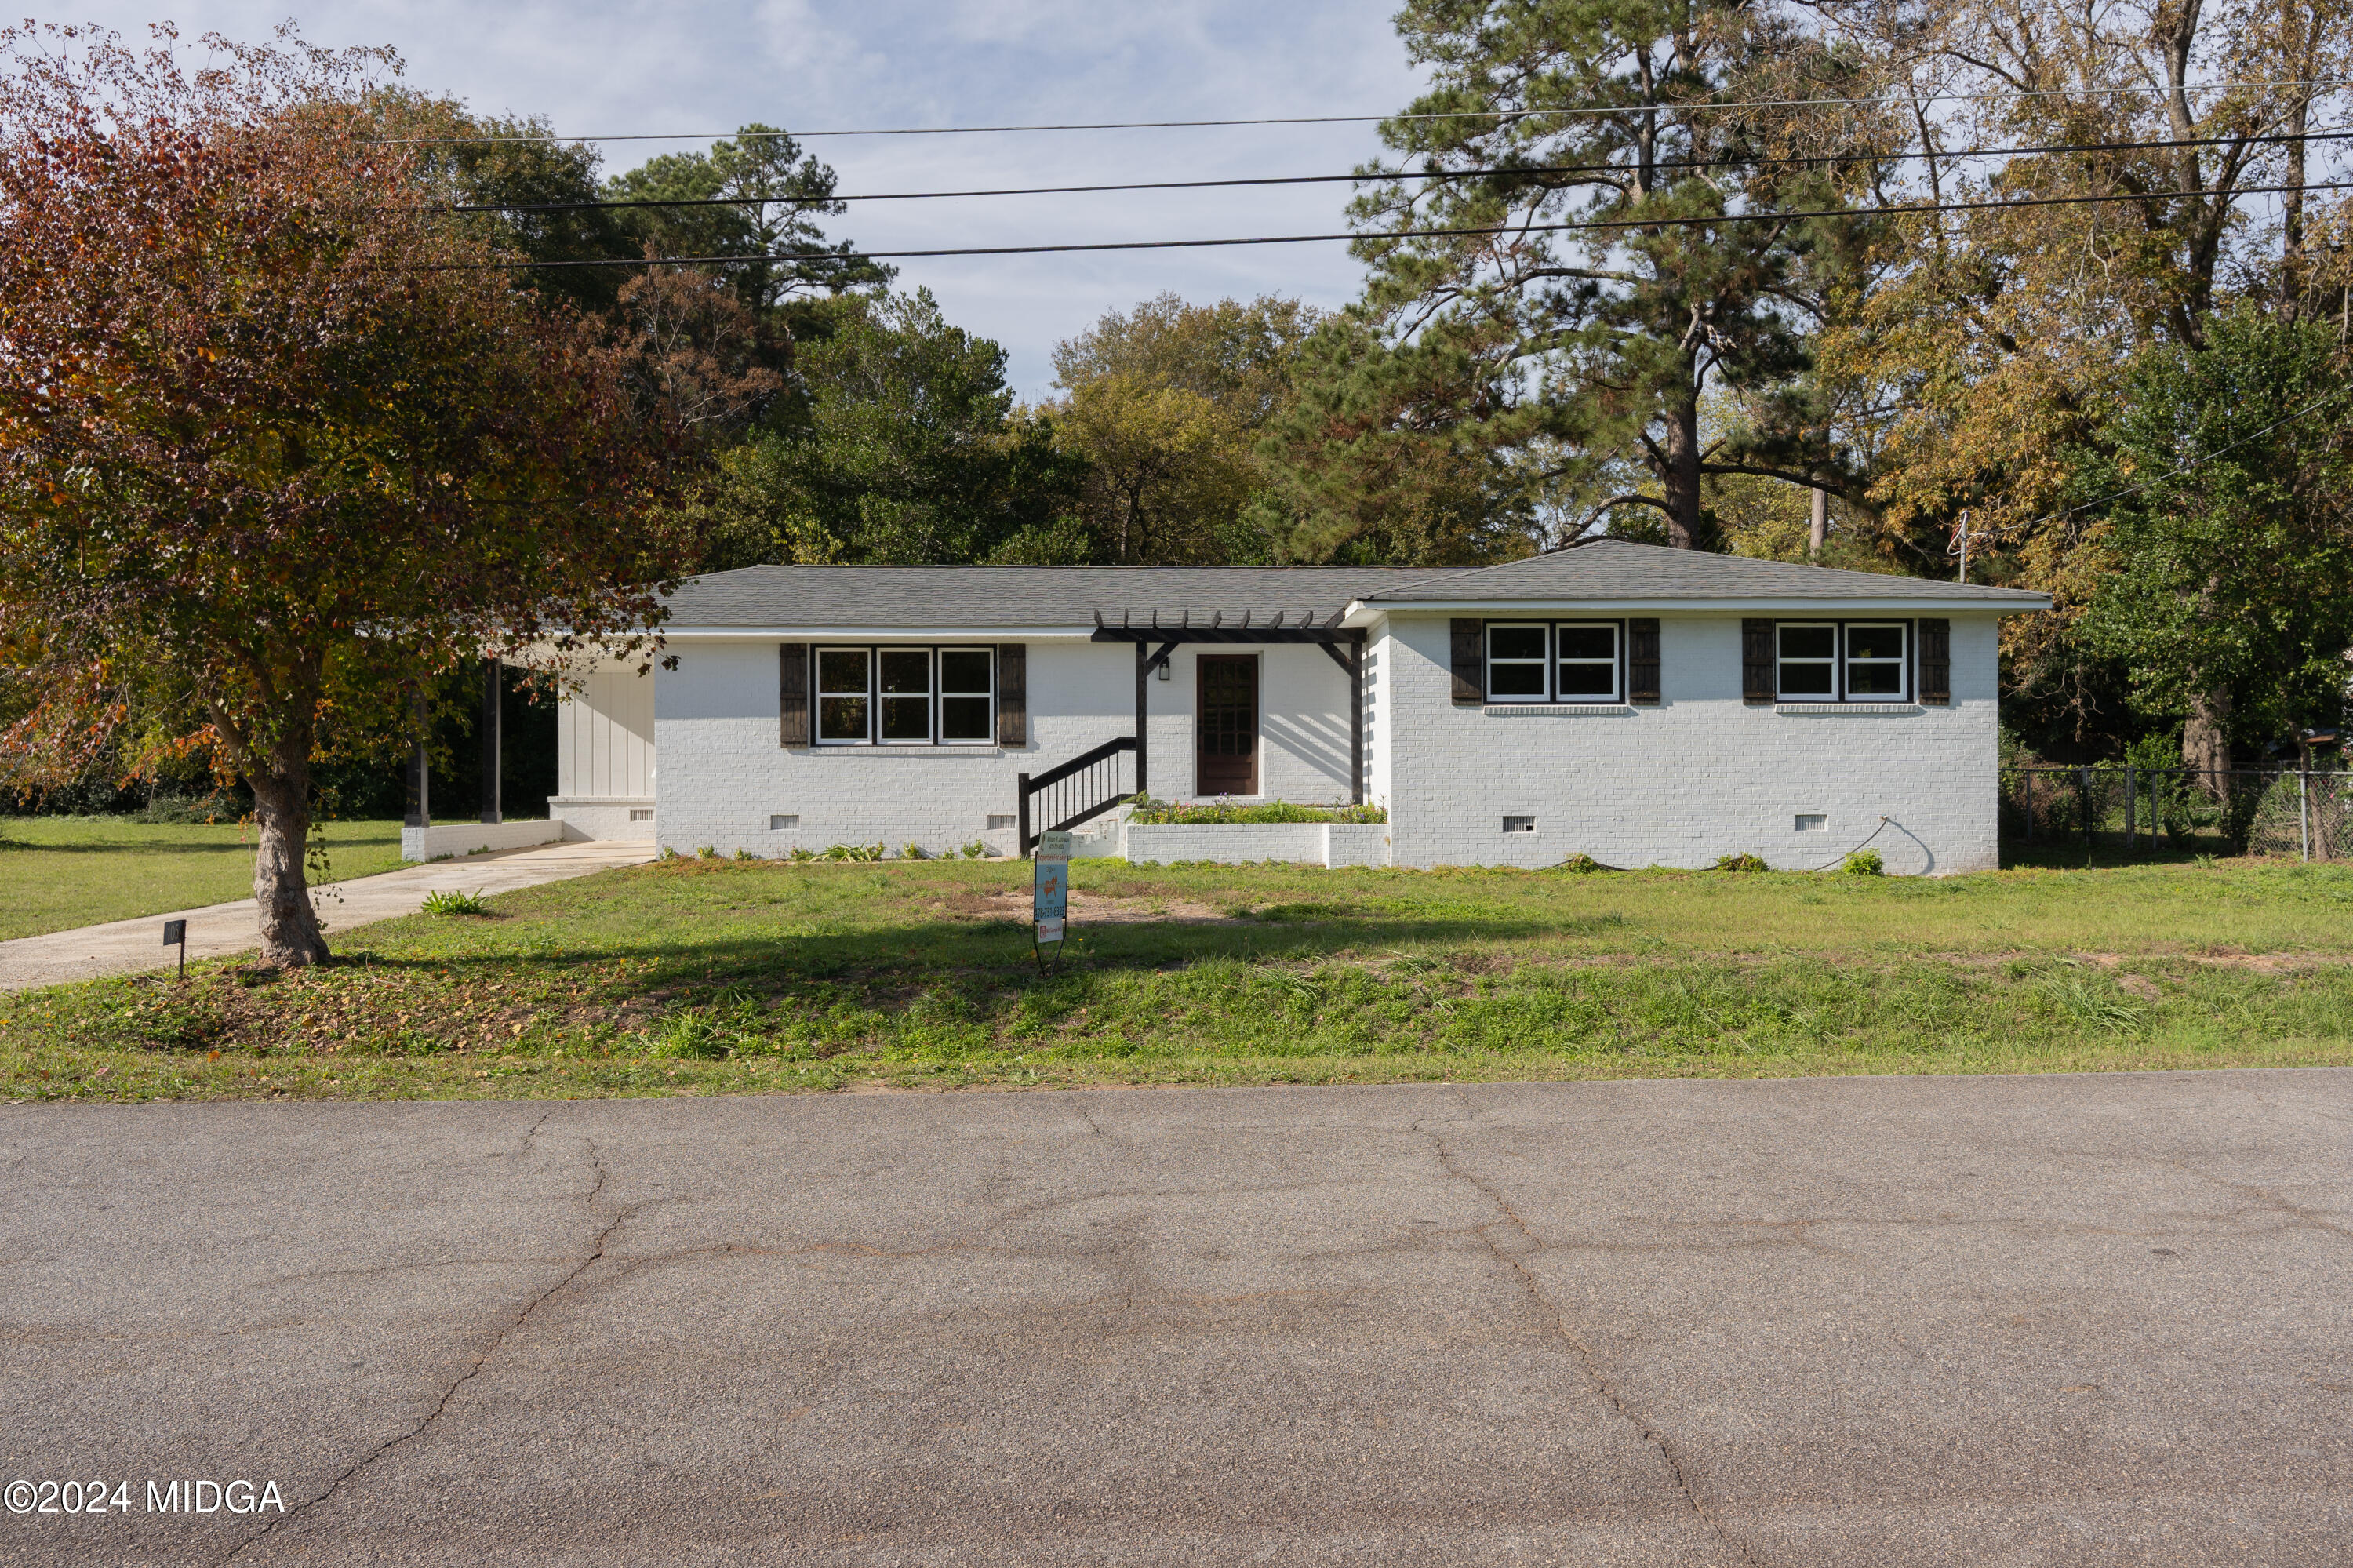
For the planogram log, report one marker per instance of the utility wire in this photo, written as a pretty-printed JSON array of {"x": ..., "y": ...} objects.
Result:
[
  {"x": 1534, "y": 169},
  {"x": 1605, "y": 224},
  {"x": 1510, "y": 115},
  {"x": 2200, "y": 463}
]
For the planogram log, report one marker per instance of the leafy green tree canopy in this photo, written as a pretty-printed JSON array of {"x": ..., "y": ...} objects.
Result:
[
  {"x": 1165, "y": 404},
  {"x": 274, "y": 450},
  {"x": 752, "y": 198},
  {"x": 2224, "y": 593},
  {"x": 1575, "y": 360},
  {"x": 899, "y": 443}
]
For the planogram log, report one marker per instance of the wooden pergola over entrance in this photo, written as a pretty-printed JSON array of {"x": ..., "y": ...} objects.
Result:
[{"x": 1154, "y": 642}]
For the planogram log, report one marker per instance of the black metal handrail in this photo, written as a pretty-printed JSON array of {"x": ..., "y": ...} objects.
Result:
[{"x": 1076, "y": 791}]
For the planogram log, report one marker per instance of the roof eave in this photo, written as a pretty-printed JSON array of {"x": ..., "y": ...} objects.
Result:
[{"x": 1363, "y": 612}]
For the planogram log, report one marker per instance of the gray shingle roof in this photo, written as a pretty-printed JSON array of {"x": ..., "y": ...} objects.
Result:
[
  {"x": 817, "y": 596},
  {"x": 1622, "y": 569},
  {"x": 1022, "y": 596}
]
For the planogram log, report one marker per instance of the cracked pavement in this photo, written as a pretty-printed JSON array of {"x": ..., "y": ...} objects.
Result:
[{"x": 1798, "y": 1322}]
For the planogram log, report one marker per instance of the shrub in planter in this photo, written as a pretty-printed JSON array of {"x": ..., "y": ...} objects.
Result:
[{"x": 1148, "y": 813}]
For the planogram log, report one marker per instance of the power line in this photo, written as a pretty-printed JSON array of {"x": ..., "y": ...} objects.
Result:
[
  {"x": 1514, "y": 114},
  {"x": 2210, "y": 457},
  {"x": 1603, "y": 223},
  {"x": 1534, "y": 169}
]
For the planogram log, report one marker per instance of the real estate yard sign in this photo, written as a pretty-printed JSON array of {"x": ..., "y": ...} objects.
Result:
[{"x": 1052, "y": 883}]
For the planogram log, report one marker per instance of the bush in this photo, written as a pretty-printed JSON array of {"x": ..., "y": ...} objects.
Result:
[
  {"x": 1864, "y": 862},
  {"x": 977, "y": 849},
  {"x": 852, "y": 852},
  {"x": 1149, "y": 812},
  {"x": 1743, "y": 862},
  {"x": 451, "y": 901},
  {"x": 1581, "y": 863}
]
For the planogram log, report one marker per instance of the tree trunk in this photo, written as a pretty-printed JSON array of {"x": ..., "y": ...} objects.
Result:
[
  {"x": 2205, "y": 741},
  {"x": 281, "y": 807},
  {"x": 1681, "y": 478}
]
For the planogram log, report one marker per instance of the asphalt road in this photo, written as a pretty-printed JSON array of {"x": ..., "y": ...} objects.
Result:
[{"x": 1863, "y": 1321}]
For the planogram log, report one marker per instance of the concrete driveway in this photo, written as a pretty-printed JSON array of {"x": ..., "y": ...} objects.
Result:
[
  {"x": 217, "y": 931},
  {"x": 1866, "y": 1322}
]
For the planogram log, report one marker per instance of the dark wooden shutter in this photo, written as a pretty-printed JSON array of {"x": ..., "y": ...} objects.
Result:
[
  {"x": 1470, "y": 662},
  {"x": 1013, "y": 694},
  {"x": 1756, "y": 682},
  {"x": 1642, "y": 659},
  {"x": 1937, "y": 661},
  {"x": 792, "y": 693}
]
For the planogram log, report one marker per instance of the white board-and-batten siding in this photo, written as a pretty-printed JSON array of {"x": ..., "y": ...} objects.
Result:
[{"x": 605, "y": 756}]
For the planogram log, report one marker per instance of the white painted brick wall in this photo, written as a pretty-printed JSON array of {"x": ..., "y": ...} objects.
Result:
[
  {"x": 609, "y": 817},
  {"x": 446, "y": 839},
  {"x": 1701, "y": 776},
  {"x": 1239, "y": 843},
  {"x": 721, "y": 777}
]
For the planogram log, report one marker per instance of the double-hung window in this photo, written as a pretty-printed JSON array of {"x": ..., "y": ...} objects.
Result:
[
  {"x": 1516, "y": 654},
  {"x": 1807, "y": 660},
  {"x": 1587, "y": 661},
  {"x": 1874, "y": 659},
  {"x": 1835, "y": 661},
  {"x": 1553, "y": 661},
  {"x": 906, "y": 696},
  {"x": 845, "y": 695},
  {"x": 967, "y": 696}
]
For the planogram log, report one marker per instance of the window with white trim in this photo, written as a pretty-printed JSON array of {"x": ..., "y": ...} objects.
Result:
[
  {"x": 967, "y": 696},
  {"x": 1555, "y": 661},
  {"x": 1586, "y": 661},
  {"x": 1842, "y": 661},
  {"x": 906, "y": 680},
  {"x": 1806, "y": 656},
  {"x": 845, "y": 695},
  {"x": 1517, "y": 652},
  {"x": 1875, "y": 663},
  {"x": 906, "y": 696}
]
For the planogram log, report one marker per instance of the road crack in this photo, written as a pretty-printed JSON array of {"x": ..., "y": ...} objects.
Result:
[
  {"x": 480, "y": 1360},
  {"x": 1453, "y": 1166}
]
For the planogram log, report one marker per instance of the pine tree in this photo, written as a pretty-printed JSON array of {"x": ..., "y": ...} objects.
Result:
[{"x": 1572, "y": 363}]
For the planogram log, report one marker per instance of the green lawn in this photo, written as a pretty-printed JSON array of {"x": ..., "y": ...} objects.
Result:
[
  {"x": 711, "y": 976},
  {"x": 57, "y": 873}
]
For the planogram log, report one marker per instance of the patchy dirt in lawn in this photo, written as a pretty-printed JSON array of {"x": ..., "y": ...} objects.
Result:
[{"x": 1087, "y": 908}]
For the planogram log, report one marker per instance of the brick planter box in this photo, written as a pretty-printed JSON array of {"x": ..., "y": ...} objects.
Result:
[{"x": 1237, "y": 844}]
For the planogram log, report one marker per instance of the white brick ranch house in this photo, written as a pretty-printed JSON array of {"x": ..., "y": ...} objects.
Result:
[{"x": 1639, "y": 705}]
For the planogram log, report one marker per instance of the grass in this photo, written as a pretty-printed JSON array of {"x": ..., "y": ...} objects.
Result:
[
  {"x": 707, "y": 976},
  {"x": 57, "y": 873}
]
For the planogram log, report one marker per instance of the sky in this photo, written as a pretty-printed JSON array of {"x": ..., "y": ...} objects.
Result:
[{"x": 609, "y": 67}]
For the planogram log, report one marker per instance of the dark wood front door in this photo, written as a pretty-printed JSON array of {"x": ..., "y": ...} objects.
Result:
[{"x": 1228, "y": 726}]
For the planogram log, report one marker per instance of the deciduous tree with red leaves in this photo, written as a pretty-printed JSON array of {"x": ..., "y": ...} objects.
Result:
[{"x": 278, "y": 440}]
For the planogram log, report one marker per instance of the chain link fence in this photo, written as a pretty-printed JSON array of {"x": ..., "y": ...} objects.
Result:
[{"x": 2284, "y": 811}]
